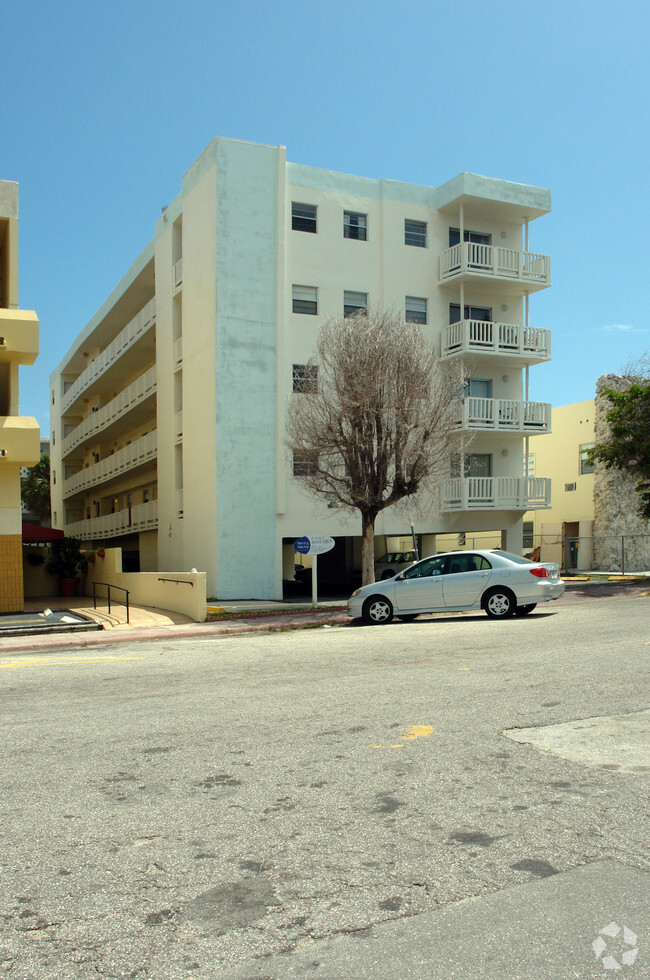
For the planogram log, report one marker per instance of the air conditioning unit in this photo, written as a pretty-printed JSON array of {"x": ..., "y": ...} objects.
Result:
[{"x": 570, "y": 486}]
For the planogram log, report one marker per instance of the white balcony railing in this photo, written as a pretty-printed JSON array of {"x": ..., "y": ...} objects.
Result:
[
  {"x": 141, "y": 451},
  {"x": 532, "y": 344},
  {"x": 496, "y": 262},
  {"x": 124, "y": 340},
  {"x": 142, "y": 517},
  {"x": 496, "y": 493},
  {"x": 143, "y": 387},
  {"x": 504, "y": 415}
]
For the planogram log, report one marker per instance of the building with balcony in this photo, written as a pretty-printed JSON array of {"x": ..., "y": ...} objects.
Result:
[
  {"x": 168, "y": 411},
  {"x": 19, "y": 436}
]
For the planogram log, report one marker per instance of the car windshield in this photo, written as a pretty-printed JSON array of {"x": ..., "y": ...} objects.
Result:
[{"x": 396, "y": 556}]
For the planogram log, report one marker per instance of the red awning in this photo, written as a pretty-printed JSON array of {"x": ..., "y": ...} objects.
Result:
[{"x": 35, "y": 534}]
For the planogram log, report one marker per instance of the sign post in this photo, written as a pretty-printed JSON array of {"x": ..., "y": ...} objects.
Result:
[{"x": 314, "y": 545}]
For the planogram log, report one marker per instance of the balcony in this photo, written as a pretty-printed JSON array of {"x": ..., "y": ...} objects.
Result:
[
  {"x": 503, "y": 415},
  {"x": 509, "y": 269},
  {"x": 526, "y": 345},
  {"x": 126, "y": 402},
  {"x": 124, "y": 341},
  {"x": 20, "y": 441},
  {"x": 496, "y": 493},
  {"x": 18, "y": 336},
  {"x": 137, "y": 454},
  {"x": 142, "y": 517}
]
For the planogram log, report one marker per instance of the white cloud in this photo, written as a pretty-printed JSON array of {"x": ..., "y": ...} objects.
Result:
[{"x": 622, "y": 328}]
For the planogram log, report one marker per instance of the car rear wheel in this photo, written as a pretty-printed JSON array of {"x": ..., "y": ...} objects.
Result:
[
  {"x": 377, "y": 609},
  {"x": 499, "y": 603},
  {"x": 524, "y": 610},
  {"x": 409, "y": 617}
]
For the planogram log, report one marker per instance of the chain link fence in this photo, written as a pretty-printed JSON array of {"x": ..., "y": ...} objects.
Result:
[{"x": 624, "y": 553}]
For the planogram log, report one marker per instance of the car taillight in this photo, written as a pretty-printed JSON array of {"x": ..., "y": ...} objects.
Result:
[{"x": 540, "y": 572}]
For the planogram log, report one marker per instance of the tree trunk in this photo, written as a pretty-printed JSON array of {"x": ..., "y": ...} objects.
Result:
[{"x": 367, "y": 548}]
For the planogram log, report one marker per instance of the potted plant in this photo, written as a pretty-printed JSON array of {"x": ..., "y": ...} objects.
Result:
[{"x": 66, "y": 560}]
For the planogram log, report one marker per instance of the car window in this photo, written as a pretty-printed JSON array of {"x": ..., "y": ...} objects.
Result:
[
  {"x": 466, "y": 563},
  {"x": 426, "y": 567}
]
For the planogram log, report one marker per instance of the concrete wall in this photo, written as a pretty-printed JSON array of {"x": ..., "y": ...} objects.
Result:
[{"x": 183, "y": 592}]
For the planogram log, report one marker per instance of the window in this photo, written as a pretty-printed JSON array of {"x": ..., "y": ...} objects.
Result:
[
  {"x": 354, "y": 302},
  {"x": 585, "y": 465},
  {"x": 528, "y": 540},
  {"x": 474, "y": 464},
  {"x": 303, "y": 217},
  {"x": 305, "y": 299},
  {"x": 529, "y": 465},
  {"x": 471, "y": 313},
  {"x": 305, "y": 377},
  {"x": 416, "y": 310},
  {"x": 145, "y": 496},
  {"x": 355, "y": 225},
  {"x": 478, "y": 388},
  {"x": 415, "y": 233},
  {"x": 304, "y": 464},
  {"x": 468, "y": 236}
]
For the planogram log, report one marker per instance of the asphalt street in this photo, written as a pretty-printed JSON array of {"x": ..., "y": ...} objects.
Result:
[{"x": 348, "y": 801}]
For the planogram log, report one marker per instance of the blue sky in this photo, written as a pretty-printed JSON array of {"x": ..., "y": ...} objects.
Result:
[{"x": 106, "y": 105}]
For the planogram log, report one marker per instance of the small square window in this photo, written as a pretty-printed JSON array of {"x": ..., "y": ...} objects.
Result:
[
  {"x": 585, "y": 465},
  {"x": 415, "y": 233},
  {"x": 354, "y": 303},
  {"x": 416, "y": 310},
  {"x": 304, "y": 299},
  {"x": 355, "y": 225},
  {"x": 305, "y": 377},
  {"x": 304, "y": 464},
  {"x": 303, "y": 217}
]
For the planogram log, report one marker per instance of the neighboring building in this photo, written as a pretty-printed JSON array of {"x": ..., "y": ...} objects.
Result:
[
  {"x": 19, "y": 437},
  {"x": 25, "y": 512},
  {"x": 168, "y": 410},
  {"x": 563, "y": 457}
]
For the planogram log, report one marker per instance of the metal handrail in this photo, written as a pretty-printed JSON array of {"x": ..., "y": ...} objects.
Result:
[{"x": 117, "y": 602}]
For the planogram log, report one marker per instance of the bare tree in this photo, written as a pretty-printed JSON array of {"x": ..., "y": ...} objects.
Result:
[{"x": 372, "y": 416}]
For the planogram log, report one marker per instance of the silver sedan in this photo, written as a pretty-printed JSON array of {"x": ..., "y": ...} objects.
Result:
[{"x": 495, "y": 581}]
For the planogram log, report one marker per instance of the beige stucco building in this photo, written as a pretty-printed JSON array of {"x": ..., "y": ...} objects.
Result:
[
  {"x": 168, "y": 410},
  {"x": 569, "y": 522},
  {"x": 19, "y": 436}
]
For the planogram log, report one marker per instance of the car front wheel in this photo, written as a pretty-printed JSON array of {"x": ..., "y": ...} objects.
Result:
[
  {"x": 524, "y": 610},
  {"x": 377, "y": 609},
  {"x": 499, "y": 603}
]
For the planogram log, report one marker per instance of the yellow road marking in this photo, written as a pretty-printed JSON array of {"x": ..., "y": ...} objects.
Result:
[
  {"x": 47, "y": 662},
  {"x": 415, "y": 731}
]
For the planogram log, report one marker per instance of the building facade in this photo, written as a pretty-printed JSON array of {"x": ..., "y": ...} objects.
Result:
[
  {"x": 168, "y": 410},
  {"x": 19, "y": 436},
  {"x": 564, "y": 533}
]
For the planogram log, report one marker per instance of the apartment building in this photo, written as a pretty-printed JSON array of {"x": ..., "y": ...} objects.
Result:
[
  {"x": 168, "y": 410},
  {"x": 19, "y": 437}
]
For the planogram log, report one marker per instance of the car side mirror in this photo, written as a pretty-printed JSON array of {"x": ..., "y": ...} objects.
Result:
[{"x": 400, "y": 577}]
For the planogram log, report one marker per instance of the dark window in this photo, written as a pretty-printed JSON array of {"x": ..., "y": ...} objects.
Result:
[
  {"x": 305, "y": 299},
  {"x": 355, "y": 225},
  {"x": 468, "y": 236},
  {"x": 305, "y": 377},
  {"x": 471, "y": 313},
  {"x": 354, "y": 302},
  {"x": 304, "y": 464},
  {"x": 415, "y": 233},
  {"x": 303, "y": 217}
]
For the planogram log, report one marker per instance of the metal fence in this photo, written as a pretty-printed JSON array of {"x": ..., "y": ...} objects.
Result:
[{"x": 620, "y": 553}]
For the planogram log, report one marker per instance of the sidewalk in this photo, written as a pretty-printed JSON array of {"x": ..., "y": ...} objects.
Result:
[{"x": 146, "y": 623}]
